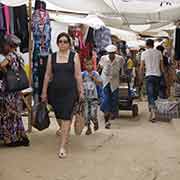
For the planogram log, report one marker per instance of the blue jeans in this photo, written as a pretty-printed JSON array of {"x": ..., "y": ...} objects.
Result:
[
  {"x": 110, "y": 100},
  {"x": 162, "y": 88},
  {"x": 152, "y": 86}
]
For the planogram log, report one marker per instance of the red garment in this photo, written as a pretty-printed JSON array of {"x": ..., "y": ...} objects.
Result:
[
  {"x": 84, "y": 50},
  {"x": 78, "y": 34},
  {"x": 84, "y": 53},
  {"x": 94, "y": 62}
]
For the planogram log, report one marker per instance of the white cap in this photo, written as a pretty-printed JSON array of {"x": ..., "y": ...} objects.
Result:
[{"x": 111, "y": 48}]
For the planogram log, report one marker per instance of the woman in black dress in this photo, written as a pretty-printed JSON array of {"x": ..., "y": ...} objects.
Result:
[{"x": 63, "y": 76}]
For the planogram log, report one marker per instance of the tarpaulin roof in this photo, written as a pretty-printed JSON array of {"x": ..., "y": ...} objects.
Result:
[{"x": 119, "y": 13}]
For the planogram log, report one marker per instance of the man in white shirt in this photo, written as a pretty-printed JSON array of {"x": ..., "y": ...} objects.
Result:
[
  {"x": 152, "y": 61},
  {"x": 111, "y": 65}
]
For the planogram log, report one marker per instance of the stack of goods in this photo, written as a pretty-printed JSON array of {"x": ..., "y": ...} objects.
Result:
[
  {"x": 166, "y": 110},
  {"x": 123, "y": 90}
]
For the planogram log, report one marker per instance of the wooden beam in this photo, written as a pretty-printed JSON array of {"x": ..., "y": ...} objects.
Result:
[{"x": 30, "y": 67}]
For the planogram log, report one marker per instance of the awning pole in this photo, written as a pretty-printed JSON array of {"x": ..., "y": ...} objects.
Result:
[{"x": 30, "y": 66}]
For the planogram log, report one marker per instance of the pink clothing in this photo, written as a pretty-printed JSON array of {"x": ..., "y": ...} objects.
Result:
[{"x": 7, "y": 18}]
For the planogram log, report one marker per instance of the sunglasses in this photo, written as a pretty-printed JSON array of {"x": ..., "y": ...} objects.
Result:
[{"x": 63, "y": 41}]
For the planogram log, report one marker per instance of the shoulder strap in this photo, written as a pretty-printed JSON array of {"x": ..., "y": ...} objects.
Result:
[
  {"x": 53, "y": 57},
  {"x": 71, "y": 57}
]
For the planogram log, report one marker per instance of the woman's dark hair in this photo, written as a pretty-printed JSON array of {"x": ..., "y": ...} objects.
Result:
[{"x": 63, "y": 34}]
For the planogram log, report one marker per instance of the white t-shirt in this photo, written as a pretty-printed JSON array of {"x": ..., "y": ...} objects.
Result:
[
  {"x": 152, "y": 58},
  {"x": 111, "y": 70}
]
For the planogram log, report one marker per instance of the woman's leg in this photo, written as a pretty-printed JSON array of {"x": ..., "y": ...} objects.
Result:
[
  {"x": 89, "y": 131},
  {"x": 58, "y": 132},
  {"x": 65, "y": 130},
  {"x": 94, "y": 112}
]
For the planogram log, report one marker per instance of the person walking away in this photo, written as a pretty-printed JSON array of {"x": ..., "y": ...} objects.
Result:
[
  {"x": 91, "y": 80},
  {"x": 163, "y": 79},
  {"x": 130, "y": 66},
  {"x": 138, "y": 83},
  {"x": 152, "y": 60},
  {"x": 112, "y": 66},
  {"x": 63, "y": 76}
]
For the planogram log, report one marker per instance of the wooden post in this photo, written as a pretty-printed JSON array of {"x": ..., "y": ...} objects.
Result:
[{"x": 30, "y": 66}]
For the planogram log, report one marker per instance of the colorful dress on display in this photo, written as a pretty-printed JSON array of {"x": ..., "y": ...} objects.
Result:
[
  {"x": 42, "y": 47},
  {"x": 41, "y": 31},
  {"x": 102, "y": 39}
]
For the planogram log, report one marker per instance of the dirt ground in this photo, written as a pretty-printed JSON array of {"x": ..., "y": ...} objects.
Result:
[{"x": 134, "y": 149}]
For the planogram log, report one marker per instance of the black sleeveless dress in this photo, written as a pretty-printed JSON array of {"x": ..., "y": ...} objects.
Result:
[{"x": 62, "y": 91}]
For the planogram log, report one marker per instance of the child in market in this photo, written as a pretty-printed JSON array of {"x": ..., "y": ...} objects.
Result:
[{"x": 91, "y": 80}]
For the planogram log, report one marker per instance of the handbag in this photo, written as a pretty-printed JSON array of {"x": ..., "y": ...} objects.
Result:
[
  {"x": 17, "y": 80},
  {"x": 41, "y": 117},
  {"x": 79, "y": 123}
]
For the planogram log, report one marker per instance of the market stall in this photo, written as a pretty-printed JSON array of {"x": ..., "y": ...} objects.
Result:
[{"x": 94, "y": 25}]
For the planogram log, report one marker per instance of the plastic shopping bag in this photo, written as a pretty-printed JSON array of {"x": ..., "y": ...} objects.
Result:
[{"x": 41, "y": 117}]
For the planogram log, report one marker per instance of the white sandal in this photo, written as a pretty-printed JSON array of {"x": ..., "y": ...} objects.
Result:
[
  {"x": 58, "y": 132},
  {"x": 62, "y": 153}
]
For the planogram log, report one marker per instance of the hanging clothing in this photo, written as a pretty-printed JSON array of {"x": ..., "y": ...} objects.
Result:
[
  {"x": 21, "y": 26},
  {"x": 39, "y": 70},
  {"x": 41, "y": 31},
  {"x": 78, "y": 35},
  {"x": 102, "y": 38},
  {"x": 7, "y": 18},
  {"x": 177, "y": 44},
  {"x": 12, "y": 28},
  {"x": 42, "y": 48},
  {"x": 2, "y": 21},
  {"x": 84, "y": 53},
  {"x": 90, "y": 36}
]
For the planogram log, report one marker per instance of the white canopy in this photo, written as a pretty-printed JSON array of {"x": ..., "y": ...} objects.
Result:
[
  {"x": 84, "y": 6},
  {"x": 139, "y": 6},
  {"x": 90, "y": 20},
  {"x": 118, "y": 13}
]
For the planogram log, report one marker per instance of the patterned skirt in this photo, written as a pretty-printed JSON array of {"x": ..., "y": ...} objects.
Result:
[{"x": 11, "y": 124}]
